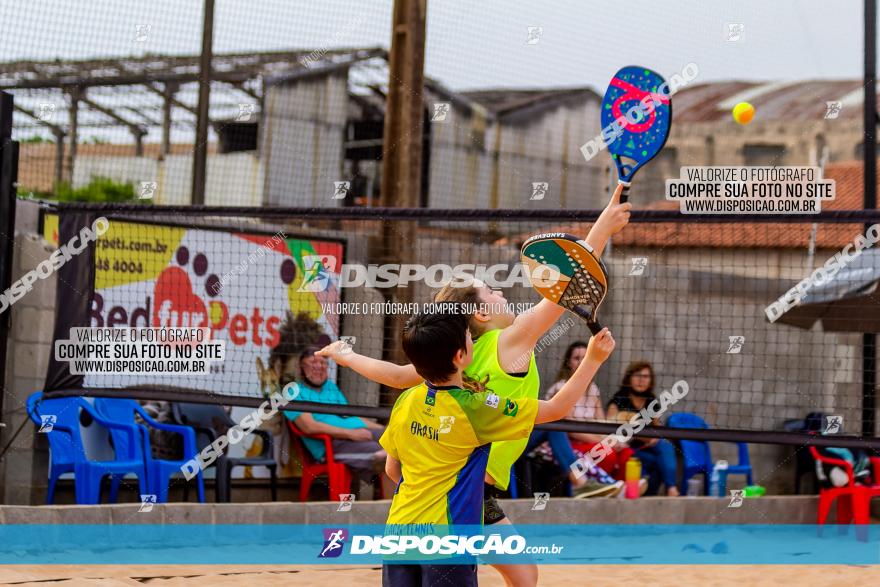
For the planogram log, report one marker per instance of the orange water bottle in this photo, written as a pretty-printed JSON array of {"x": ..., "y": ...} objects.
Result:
[{"x": 633, "y": 475}]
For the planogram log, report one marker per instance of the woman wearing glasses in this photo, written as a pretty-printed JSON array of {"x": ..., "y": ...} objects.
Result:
[{"x": 656, "y": 454}]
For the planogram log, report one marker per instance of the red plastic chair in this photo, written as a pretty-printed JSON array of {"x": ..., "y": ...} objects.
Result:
[
  {"x": 338, "y": 474},
  {"x": 853, "y": 500},
  {"x": 619, "y": 469}
]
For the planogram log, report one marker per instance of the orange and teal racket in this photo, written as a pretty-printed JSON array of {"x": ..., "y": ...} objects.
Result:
[{"x": 564, "y": 270}]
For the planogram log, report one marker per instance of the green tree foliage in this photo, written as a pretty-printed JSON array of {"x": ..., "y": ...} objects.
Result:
[{"x": 99, "y": 189}]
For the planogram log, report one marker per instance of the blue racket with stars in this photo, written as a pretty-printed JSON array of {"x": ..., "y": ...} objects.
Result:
[{"x": 637, "y": 109}]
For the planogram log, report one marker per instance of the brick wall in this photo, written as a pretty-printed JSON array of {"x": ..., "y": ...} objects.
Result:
[{"x": 23, "y": 470}]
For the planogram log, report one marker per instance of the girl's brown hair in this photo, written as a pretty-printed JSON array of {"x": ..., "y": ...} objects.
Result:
[
  {"x": 565, "y": 370},
  {"x": 474, "y": 385},
  {"x": 460, "y": 292},
  {"x": 626, "y": 382}
]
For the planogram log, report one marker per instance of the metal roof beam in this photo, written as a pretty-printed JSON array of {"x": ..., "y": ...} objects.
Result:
[
  {"x": 56, "y": 130},
  {"x": 135, "y": 129},
  {"x": 157, "y": 89},
  {"x": 240, "y": 87}
]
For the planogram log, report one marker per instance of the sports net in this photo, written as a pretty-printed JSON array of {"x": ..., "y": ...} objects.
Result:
[{"x": 694, "y": 299}]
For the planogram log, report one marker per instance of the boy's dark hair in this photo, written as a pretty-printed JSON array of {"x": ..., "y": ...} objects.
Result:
[{"x": 430, "y": 342}]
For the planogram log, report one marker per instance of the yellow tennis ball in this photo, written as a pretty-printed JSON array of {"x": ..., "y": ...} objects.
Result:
[{"x": 743, "y": 112}]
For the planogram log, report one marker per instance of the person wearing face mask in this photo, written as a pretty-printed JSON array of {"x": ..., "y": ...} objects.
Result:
[
  {"x": 355, "y": 440},
  {"x": 656, "y": 454}
]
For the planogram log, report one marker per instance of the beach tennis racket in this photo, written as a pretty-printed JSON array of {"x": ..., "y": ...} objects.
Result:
[
  {"x": 637, "y": 109},
  {"x": 565, "y": 271}
]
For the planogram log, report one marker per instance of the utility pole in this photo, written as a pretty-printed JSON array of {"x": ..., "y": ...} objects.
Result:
[
  {"x": 404, "y": 110},
  {"x": 200, "y": 149},
  {"x": 8, "y": 184},
  {"x": 74, "y": 94},
  {"x": 869, "y": 339},
  {"x": 402, "y": 149}
]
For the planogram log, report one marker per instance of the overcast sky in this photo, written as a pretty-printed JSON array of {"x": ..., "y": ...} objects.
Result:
[{"x": 473, "y": 43}]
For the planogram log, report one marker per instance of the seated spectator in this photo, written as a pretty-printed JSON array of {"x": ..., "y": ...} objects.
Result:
[
  {"x": 588, "y": 408},
  {"x": 165, "y": 445},
  {"x": 595, "y": 482},
  {"x": 355, "y": 440},
  {"x": 656, "y": 454}
]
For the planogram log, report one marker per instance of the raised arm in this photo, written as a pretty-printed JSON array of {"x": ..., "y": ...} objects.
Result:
[
  {"x": 557, "y": 407},
  {"x": 611, "y": 221},
  {"x": 383, "y": 372},
  {"x": 518, "y": 340}
]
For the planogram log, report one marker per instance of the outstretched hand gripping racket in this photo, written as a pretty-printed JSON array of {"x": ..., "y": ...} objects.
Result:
[
  {"x": 637, "y": 112},
  {"x": 565, "y": 271}
]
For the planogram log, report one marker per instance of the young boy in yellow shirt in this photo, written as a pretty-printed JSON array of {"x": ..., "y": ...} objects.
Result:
[{"x": 439, "y": 435}]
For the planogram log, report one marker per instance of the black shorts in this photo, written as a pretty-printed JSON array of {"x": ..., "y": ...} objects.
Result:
[
  {"x": 492, "y": 512},
  {"x": 429, "y": 575}
]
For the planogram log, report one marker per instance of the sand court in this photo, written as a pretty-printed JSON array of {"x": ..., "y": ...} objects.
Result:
[{"x": 550, "y": 576}]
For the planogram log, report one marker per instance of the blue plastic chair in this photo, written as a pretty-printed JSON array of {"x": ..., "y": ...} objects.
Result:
[
  {"x": 698, "y": 458},
  {"x": 159, "y": 471},
  {"x": 61, "y": 444},
  {"x": 68, "y": 452}
]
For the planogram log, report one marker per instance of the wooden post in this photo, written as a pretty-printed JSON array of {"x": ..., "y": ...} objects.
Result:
[
  {"x": 138, "y": 144},
  {"x": 8, "y": 179},
  {"x": 402, "y": 151},
  {"x": 74, "y": 94},
  {"x": 200, "y": 149},
  {"x": 869, "y": 339},
  {"x": 402, "y": 144},
  {"x": 59, "y": 158},
  {"x": 168, "y": 92}
]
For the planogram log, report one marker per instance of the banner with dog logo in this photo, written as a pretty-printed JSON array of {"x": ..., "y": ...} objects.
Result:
[{"x": 249, "y": 289}]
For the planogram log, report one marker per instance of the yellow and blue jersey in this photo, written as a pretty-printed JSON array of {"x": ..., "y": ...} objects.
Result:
[{"x": 441, "y": 436}]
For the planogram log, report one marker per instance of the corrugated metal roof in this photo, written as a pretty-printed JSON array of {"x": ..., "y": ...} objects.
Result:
[
  {"x": 507, "y": 102},
  {"x": 773, "y": 101},
  {"x": 797, "y": 100}
]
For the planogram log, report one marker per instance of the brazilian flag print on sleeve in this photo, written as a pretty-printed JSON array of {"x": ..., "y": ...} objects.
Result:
[{"x": 495, "y": 418}]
